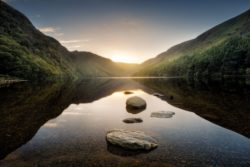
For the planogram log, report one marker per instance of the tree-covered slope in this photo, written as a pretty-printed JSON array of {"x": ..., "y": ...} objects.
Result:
[
  {"x": 27, "y": 53},
  {"x": 89, "y": 64},
  {"x": 220, "y": 47}
]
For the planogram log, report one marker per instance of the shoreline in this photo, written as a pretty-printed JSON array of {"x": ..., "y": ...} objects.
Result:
[{"x": 4, "y": 82}]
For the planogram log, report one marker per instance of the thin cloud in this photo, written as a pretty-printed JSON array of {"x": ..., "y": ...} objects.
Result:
[
  {"x": 71, "y": 48},
  {"x": 73, "y": 41},
  {"x": 47, "y": 29},
  {"x": 76, "y": 46},
  {"x": 59, "y": 34},
  {"x": 70, "y": 41},
  {"x": 55, "y": 32}
]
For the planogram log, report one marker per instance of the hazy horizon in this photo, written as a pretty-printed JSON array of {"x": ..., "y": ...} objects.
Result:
[{"x": 126, "y": 30}]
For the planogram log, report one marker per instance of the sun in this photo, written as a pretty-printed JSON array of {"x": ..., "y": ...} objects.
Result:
[{"x": 122, "y": 56}]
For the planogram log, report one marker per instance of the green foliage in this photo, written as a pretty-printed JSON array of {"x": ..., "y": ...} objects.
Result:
[
  {"x": 17, "y": 60},
  {"x": 91, "y": 65},
  {"x": 229, "y": 58},
  {"x": 28, "y": 54},
  {"x": 220, "y": 51}
]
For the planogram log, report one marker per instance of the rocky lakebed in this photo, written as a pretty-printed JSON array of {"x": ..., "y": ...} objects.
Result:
[{"x": 131, "y": 139}]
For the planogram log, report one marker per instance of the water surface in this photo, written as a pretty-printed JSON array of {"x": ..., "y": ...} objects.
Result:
[{"x": 64, "y": 124}]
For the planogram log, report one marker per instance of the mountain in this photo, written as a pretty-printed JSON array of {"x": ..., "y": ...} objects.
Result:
[
  {"x": 222, "y": 50},
  {"x": 27, "y": 53},
  {"x": 90, "y": 64}
]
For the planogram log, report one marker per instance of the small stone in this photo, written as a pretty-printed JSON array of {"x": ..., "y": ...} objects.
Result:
[
  {"x": 132, "y": 120},
  {"x": 158, "y": 94},
  {"x": 162, "y": 114},
  {"x": 131, "y": 140}
]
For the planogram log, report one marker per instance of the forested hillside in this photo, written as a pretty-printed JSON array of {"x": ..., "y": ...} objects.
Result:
[
  {"x": 223, "y": 50},
  {"x": 26, "y": 53}
]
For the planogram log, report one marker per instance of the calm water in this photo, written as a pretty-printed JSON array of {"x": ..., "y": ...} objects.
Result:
[{"x": 57, "y": 124}]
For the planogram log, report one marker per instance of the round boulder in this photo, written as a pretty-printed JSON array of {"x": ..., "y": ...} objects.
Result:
[{"x": 136, "y": 102}]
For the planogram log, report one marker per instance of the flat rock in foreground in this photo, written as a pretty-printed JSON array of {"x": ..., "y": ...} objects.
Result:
[
  {"x": 162, "y": 114},
  {"x": 136, "y": 102},
  {"x": 132, "y": 140}
]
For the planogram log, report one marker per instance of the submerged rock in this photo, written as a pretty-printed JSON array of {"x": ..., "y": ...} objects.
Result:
[
  {"x": 128, "y": 92},
  {"x": 162, "y": 114},
  {"x": 116, "y": 150},
  {"x": 132, "y": 140},
  {"x": 132, "y": 120},
  {"x": 158, "y": 94},
  {"x": 136, "y": 102}
]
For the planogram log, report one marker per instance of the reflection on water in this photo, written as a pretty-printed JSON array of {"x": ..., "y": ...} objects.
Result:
[
  {"x": 226, "y": 103},
  {"x": 65, "y": 124}
]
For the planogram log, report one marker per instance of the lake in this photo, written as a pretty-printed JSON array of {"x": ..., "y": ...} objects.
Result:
[{"x": 65, "y": 123}]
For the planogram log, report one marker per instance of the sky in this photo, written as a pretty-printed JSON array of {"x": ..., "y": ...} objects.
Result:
[{"x": 126, "y": 30}]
